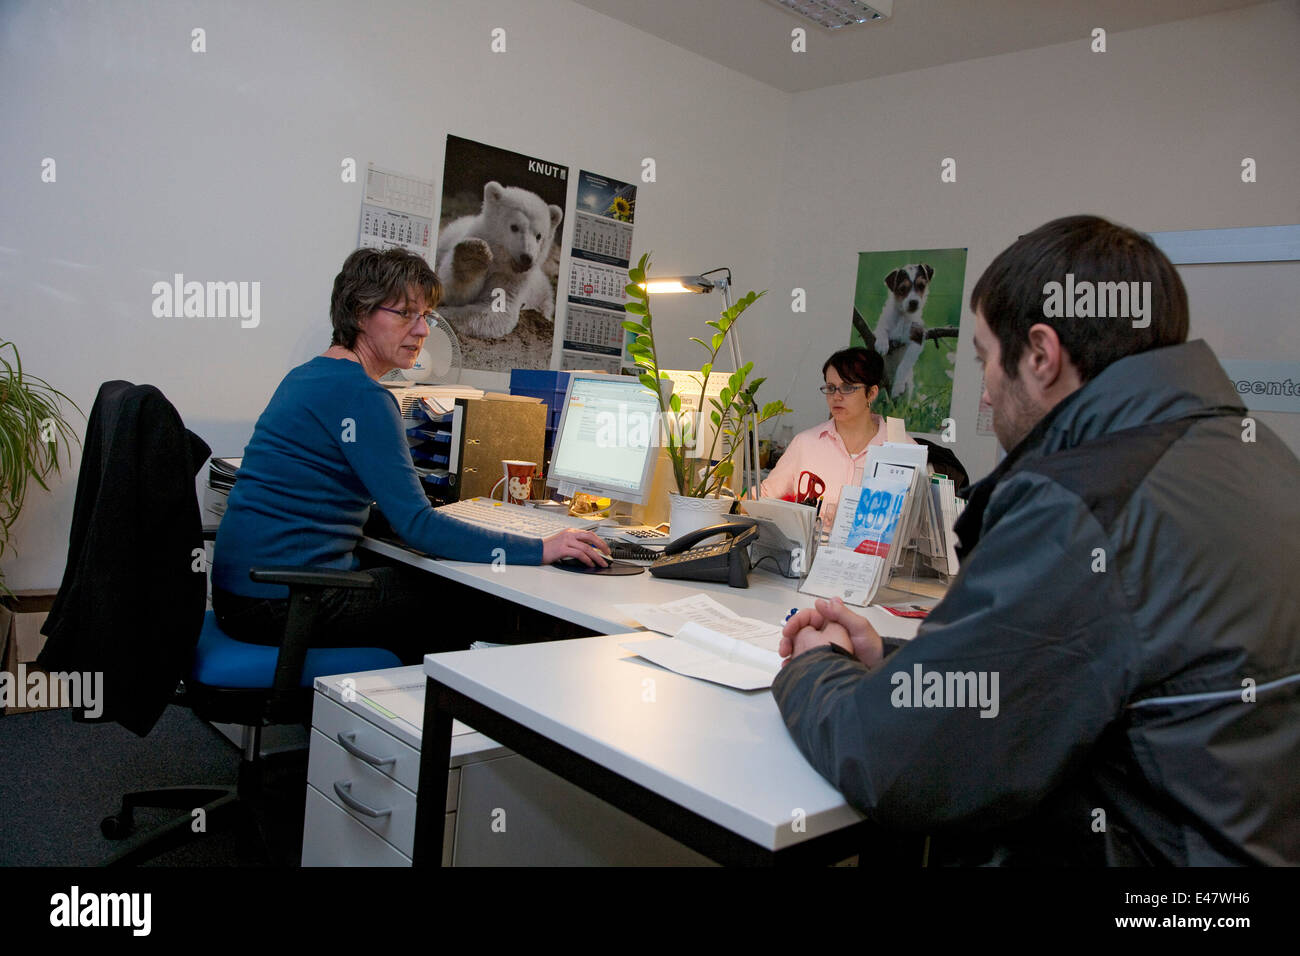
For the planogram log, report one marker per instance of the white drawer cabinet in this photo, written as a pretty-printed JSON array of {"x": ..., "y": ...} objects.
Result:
[
  {"x": 363, "y": 775},
  {"x": 363, "y": 770}
]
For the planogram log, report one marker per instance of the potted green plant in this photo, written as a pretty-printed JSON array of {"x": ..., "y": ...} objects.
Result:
[
  {"x": 32, "y": 433},
  {"x": 698, "y": 473}
]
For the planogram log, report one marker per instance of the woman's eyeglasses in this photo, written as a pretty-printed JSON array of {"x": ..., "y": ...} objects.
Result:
[
  {"x": 843, "y": 389},
  {"x": 431, "y": 317}
]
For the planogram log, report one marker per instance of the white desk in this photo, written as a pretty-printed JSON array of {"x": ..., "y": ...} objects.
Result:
[
  {"x": 711, "y": 767},
  {"x": 587, "y": 599}
]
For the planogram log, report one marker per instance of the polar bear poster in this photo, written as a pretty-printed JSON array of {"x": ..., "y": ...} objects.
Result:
[{"x": 498, "y": 254}]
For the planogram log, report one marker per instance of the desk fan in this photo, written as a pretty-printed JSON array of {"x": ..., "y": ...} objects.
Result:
[{"x": 438, "y": 362}]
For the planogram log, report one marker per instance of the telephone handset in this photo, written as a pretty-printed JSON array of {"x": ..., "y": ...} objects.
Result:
[{"x": 726, "y": 561}]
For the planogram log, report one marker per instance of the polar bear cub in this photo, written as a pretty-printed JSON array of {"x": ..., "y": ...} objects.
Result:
[{"x": 490, "y": 265}]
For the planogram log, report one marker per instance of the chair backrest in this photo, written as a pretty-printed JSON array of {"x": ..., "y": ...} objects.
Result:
[
  {"x": 131, "y": 603},
  {"x": 943, "y": 461}
]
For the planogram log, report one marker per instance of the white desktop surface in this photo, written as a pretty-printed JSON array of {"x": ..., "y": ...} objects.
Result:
[
  {"x": 723, "y": 754},
  {"x": 587, "y": 599}
]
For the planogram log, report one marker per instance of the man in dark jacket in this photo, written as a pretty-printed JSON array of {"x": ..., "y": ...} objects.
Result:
[{"x": 1114, "y": 677}]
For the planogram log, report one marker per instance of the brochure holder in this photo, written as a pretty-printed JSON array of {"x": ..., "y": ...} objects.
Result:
[{"x": 917, "y": 569}]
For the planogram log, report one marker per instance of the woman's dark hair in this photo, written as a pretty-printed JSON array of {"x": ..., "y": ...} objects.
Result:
[
  {"x": 371, "y": 277},
  {"x": 1012, "y": 292},
  {"x": 857, "y": 366}
]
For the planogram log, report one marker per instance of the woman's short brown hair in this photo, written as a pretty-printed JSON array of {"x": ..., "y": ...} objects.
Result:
[
  {"x": 857, "y": 366},
  {"x": 371, "y": 277}
]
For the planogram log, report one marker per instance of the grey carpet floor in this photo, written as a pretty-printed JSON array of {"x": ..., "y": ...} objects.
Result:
[{"x": 58, "y": 779}]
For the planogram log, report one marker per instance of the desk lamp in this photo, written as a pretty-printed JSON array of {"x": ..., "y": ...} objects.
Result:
[{"x": 703, "y": 284}]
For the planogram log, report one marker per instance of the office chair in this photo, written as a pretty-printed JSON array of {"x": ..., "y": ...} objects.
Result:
[{"x": 132, "y": 605}]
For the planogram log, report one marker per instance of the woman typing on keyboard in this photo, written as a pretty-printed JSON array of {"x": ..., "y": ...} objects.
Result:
[{"x": 330, "y": 442}]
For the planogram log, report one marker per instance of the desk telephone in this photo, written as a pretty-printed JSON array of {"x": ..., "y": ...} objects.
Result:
[{"x": 727, "y": 561}]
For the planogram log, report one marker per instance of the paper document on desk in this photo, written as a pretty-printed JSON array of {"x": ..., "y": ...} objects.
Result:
[
  {"x": 700, "y": 609},
  {"x": 708, "y": 641}
]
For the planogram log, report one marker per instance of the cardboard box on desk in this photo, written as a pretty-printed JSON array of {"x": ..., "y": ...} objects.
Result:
[
  {"x": 487, "y": 430},
  {"x": 21, "y": 640}
]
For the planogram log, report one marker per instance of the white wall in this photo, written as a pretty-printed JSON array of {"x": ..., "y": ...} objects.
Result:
[
  {"x": 226, "y": 166},
  {"x": 1150, "y": 133}
]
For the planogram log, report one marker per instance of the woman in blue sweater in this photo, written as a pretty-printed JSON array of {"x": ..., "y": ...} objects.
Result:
[{"x": 330, "y": 442}]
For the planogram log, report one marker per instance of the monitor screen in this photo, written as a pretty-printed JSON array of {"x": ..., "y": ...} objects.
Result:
[{"x": 608, "y": 438}]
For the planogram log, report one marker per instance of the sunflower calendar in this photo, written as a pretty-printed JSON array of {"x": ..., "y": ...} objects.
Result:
[{"x": 600, "y": 255}]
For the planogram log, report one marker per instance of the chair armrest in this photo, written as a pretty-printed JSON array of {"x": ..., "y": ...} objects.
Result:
[
  {"x": 306, "y": 586},
  {"x": 312, "y": 578}
]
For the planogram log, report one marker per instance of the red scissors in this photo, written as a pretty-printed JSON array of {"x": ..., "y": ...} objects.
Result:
[{"x": 809, "y": 488}]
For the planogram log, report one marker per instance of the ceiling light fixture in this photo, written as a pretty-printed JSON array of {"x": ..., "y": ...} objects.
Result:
[{"x": 833, "y": 14}]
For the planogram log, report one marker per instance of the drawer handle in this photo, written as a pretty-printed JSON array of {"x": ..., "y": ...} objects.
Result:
[
  {"x": 348, "y": 742},
  {"x": 344, "y": 793}
]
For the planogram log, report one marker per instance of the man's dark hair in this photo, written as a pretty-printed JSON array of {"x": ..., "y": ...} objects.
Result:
[
  {"x": 857, "y": 366},
  {"x": 371, "y": 277},
  {"x": 1011, "y": 295}
]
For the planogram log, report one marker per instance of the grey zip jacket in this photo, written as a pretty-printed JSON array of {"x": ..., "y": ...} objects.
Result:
[{"x": 1114, "y": 676}]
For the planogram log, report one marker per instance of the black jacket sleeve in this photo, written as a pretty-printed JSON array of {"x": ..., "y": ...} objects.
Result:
[{"x": 1047, "y": 634}]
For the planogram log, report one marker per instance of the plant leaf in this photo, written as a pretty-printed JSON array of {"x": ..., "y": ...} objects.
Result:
[{"x": 635, "y": 328}]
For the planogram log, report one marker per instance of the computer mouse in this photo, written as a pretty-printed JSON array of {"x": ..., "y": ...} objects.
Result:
[{"x": 618, "y": 568}]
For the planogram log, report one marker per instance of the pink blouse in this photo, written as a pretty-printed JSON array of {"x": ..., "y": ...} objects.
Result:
[{"x": 821, "y": 450}]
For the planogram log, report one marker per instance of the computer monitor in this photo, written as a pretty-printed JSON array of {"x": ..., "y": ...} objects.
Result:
[{"x": 608, "y": 438}]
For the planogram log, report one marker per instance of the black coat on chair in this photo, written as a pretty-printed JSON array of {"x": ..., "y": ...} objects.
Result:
[{"x": 132, "y": 599}]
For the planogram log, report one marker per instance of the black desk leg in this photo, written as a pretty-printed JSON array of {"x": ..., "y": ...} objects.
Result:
[{"x": 435, "y": 761}]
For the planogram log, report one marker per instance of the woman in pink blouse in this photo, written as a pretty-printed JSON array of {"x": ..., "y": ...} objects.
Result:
[{"x": 836, "y": 450}]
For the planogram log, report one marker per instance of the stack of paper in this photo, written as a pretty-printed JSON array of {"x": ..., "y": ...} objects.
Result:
[
  {"x": 707, "y": 641},
  {"x": 787, "y": 531},
  {"x": 222, "y": 473},
  {"x": 436, "y": 399}
]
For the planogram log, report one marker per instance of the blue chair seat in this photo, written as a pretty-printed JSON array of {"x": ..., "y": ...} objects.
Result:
[{"x": 222, "y": 661}]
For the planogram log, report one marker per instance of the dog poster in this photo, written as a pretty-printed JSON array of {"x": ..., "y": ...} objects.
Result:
[
  {"x": 907, "y": 306},
  {"x": 498, "y": 253}
]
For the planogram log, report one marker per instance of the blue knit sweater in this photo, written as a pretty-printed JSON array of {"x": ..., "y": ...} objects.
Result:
[{"x": 330, "y": 442}]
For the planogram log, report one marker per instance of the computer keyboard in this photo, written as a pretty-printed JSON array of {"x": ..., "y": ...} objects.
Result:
[{"x": 513, "y": 519}]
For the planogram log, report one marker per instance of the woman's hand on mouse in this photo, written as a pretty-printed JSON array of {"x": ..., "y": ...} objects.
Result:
[{"x": 586, "y": 546}]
